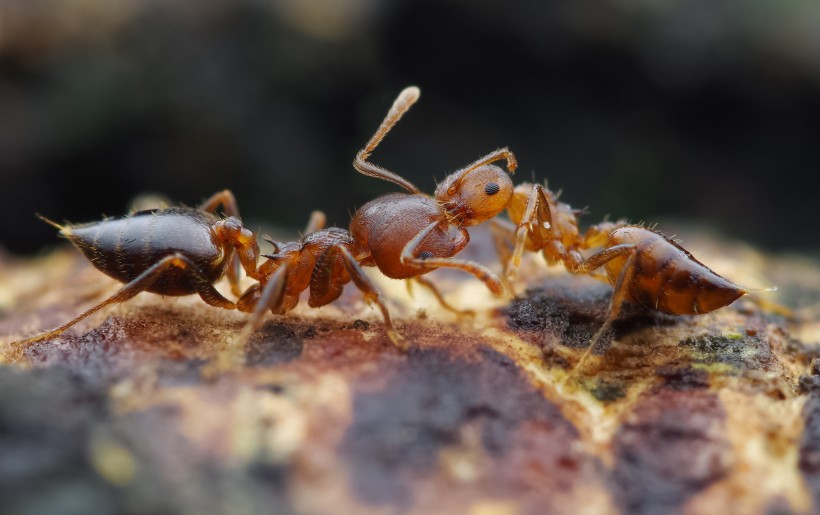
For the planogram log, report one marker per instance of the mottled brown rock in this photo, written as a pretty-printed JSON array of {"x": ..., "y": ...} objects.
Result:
[{"x": 710, "y": 414}]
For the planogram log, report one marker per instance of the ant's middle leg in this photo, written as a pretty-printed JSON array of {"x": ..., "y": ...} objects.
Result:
[
  {"x": 408, "y": 256},
  {"x": 503, "y": 233},
  {"x": 143, "y": 282},
  {"x": 369, "y": 290},
  {"x": 437, "y": 294},
  {"x": 619, "y": 293}
]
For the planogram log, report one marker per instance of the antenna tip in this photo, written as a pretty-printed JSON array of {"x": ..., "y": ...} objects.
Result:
[{"x": 410, "y": 94}]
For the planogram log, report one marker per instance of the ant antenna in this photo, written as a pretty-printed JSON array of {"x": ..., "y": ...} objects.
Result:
[
  {"x": 497, "y": 155},
  {"x": 406, "y": 98},
  {"x": 403, "y": 102}
]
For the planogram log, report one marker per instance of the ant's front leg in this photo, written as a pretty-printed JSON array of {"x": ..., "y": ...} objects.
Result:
[
  {"x": 535, "y": 223},
  {"x": 143, "y": 282},
  {"x": 271, "y": 297},
  {"x": 246, "y": 249},
  {"x": 408, "y": 256},
  {"x": 227, "y": 201}
]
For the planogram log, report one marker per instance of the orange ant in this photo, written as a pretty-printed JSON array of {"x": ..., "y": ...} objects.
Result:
[
  {"x": 644, "y": 266},
  {"x": 181, "y": 251},
  {"x": 405, "y": 235}
]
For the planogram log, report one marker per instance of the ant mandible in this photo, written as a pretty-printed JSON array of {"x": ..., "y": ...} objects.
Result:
[{"x": 643, "y": 266}]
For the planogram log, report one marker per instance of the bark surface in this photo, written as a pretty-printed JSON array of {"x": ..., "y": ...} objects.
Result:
[{"x": 710, "y": 414}]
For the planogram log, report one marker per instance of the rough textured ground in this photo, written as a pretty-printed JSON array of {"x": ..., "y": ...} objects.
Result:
[{"x": 711, "y": 414}]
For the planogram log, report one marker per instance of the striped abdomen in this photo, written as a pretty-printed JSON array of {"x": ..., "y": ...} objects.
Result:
[
  {"x": 123, "y": 248},
  {"x": 667, "y": 278}
]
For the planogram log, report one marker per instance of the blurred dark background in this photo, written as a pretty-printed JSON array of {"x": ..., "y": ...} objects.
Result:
[{"x": 702, "y": 111}]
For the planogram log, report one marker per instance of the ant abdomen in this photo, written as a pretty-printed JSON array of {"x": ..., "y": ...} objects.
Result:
[
  {"x": 123, "y": 248},
  {"x": 666, "y": 277}
]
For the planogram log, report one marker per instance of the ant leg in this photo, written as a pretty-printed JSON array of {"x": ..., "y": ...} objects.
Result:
[
  {"x": 489, "y": 279},
  {"x": 370, "y": 292},
  {"x": 224, "y": 198},
  {"x": 227, "y": 201},
  {"x": 243, "y": 242},
  {"x": 323, "y": 291},
  {"x": 403, "y": 102},
  {"x": 316, "y": 223},
  {"x": 597, "y": 235},
  {"x": 142, "y": 283},
  {"x": 270, "y": 298},
  {"x": 535, "y": 223},
  {"x": 503, "y": 233},
  {"x": 618, "y": 295},
  {"x": 496, "y": 155},
  {"x": 437, "y": 294}
]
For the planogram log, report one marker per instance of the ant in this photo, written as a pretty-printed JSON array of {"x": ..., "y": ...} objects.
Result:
[
  {"x": 405, "y": 235},
  {"x": 643, "y": 266},
  {"x": 181, "y": 251},
  {"x": 171, "y": 251}
]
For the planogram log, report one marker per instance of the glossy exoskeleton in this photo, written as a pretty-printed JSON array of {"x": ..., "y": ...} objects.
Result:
[
  {"x": 180, "y": 251},
  {"x": 405, "y": 235},
  {"x": 173, "y": 251}
]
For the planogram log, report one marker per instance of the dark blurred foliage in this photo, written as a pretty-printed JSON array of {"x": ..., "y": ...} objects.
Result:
[{"x": 702, "y": 111}]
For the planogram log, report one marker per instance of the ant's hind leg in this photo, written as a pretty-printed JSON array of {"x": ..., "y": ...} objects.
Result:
[
  {"x": 618, "y": 294},
  {"x": 142, "y": 283},
  {"x": 408, "y": 256}
]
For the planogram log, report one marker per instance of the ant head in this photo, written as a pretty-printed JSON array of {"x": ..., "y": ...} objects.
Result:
[{"x": 475, "y": 195}]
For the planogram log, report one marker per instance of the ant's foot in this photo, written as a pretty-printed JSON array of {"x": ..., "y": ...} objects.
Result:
[{"x": 398, "y": 340}]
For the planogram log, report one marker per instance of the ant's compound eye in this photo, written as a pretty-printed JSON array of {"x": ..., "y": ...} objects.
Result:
[
  {"x": 492, "y": 188},
  {"x": 425, "y": 255}
]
